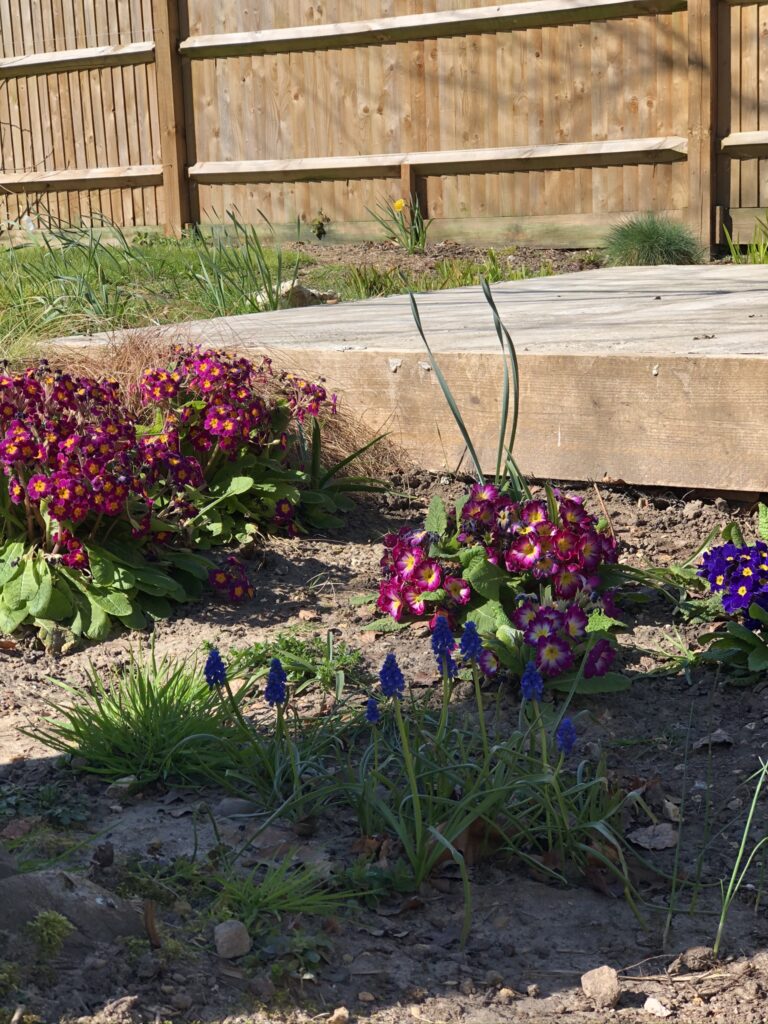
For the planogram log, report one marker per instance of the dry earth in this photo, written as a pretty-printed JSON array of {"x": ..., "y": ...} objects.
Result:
[{"x": 402, "y": 961}]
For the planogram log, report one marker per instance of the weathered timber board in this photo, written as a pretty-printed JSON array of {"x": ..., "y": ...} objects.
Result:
[{"x": 655, "y": 376}]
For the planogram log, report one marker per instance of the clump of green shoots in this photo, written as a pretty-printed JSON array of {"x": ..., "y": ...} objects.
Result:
[{"x": 403, "y": 223}]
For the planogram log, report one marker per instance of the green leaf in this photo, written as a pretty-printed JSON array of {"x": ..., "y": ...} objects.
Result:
[
  {"x": 82, "y": 619},
  {"x": 98, "y": 627},
  {"x": 742, "y": 633},
  {"x": 154, "y": 581},
  {"x": 384, "y": 626},
  {"x": 12, "y": 595},
  {"x": 123, "y": 579},
  {"x": 758, "y": 659},
  {"x": 756, "y": 612},
  {"x": 39, "y": 603},
  {"x": 611, "y": 682},
  {"x": 10, "y": 564},
  {"x": 437, "y": 517},
  {"x": 323, "y": 520},
  {"x": 762, "y": 521},
  {"x": 485, "y": 578},
  {"x": 136, "y": 620},
  {"x": 11, "y": 619},
  {"x": 102, "y": 567},
  {"x": 553, "y": 509},
  {"x": 60, "y": 606},
  {"x": 191, "y": 586},
  {"x": 157, "y": 607},
  {"x": 599, "y": 622},
  {"x": 29, "y": 581},
  {"x": 733, "y": 535},
  {"x": 358, "y": 600},
  {"x": 113, "y": 602},
  {"x": 489, "y": 617}
]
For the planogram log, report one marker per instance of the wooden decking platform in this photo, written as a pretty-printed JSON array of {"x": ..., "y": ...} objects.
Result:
[{"x": 655, "y": 376}]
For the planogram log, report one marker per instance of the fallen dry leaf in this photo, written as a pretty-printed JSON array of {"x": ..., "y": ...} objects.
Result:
[
  {"x": 717, "y": 738},
  {"x": 672, "y": 810},
  {"x": 18, "y": 828},
  {"x": 477, "y": 841},
  {"x": 655, "y": 837}
]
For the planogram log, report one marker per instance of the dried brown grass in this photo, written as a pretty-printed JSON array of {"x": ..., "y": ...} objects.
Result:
[{"x": 127, "y": 358}]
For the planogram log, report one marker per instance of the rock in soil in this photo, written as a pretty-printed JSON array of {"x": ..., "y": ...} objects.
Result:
[
  {"x": 655, "y": 1008},
  {"x": 602, "y": 987},
  {"x": 339, "y": 1016},
  {"x": 698, "y": 958},
  {"x": 97, "y": 915},
  {"x": 232, "y": 939}
]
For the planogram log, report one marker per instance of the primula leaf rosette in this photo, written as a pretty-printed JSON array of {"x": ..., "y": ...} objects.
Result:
[{"x": 526, "y": 572}]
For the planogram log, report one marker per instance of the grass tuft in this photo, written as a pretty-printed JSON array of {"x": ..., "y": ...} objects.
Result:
[{"x": 649, "y": 240}]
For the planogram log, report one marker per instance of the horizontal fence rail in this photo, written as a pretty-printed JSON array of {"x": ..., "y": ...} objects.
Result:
[
  {"x": 390, "y": 165},
  {"x": 543, "y": 120},
  {"x": 504, "y": 17},
  {"x": 77, "y": 60}
]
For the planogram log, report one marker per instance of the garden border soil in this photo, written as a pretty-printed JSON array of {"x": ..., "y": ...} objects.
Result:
[{"x": 531, "y": 941}]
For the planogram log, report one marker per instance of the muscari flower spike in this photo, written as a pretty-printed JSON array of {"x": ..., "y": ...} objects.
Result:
[
  {"x": 532, "y": 683},
  {"x": 443, "y": 644},
  {"x": 372, "y": 711},
  {"x": 276, "y": 691},
  {"x": 215, "y": 670},
  {"x": 471, "y": 646},
  {"x": 565, "y": 736},
  {"x": 391, "y": 678}
]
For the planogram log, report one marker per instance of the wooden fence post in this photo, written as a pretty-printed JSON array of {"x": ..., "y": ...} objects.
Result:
[
  {"x": 170, "y": 99},
  {"x": 702, "y": 107}
]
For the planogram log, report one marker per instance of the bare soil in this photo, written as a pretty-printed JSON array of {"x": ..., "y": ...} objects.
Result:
[
  {"x": 402, "y": 961},
  {"x": 389, "y": 256}
]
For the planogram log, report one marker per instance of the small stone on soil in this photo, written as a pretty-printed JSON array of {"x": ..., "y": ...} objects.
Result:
[
  {"x": 339, "y": 1016},
  {"x": 232, "y": 939},
  {"x": 602, "y": 987},
  {"x": 657, "y": 1009}
]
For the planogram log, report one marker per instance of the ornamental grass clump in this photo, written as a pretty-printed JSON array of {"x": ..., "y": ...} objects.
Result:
[{"x": 650, "y": 240}]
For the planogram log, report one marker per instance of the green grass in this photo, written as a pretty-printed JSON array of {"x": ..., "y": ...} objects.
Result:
[
  {"x": 84, "y": 281},
  {"x": 649, "y": 240}
]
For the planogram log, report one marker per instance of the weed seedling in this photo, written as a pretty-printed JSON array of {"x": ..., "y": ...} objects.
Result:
[{"x": 48, "y": 930}]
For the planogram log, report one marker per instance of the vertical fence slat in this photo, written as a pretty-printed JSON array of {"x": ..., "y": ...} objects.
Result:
[
  {"x": 702, "y": 106},
  {"x": 170, "y": 99}
]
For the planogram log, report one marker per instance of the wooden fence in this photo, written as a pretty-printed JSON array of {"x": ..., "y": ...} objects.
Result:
[{"x": 541, "y": 121}]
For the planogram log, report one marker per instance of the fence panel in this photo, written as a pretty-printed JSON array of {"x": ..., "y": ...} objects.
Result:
[
  {"x": 99, "y": 111},
  {"x": 536, "y": 120}
]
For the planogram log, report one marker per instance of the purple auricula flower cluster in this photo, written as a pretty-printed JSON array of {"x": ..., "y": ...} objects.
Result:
[
  {"x": 740, "y": 574},
  {"x": 554, "y": 633},
  {"x": 216, "y": 401},
  {"x": 520, "y": 537},
  {"x": 231, "y": 580},
  {"x": 410, "y": 576},
  {"x": 69, "y": 448}
]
